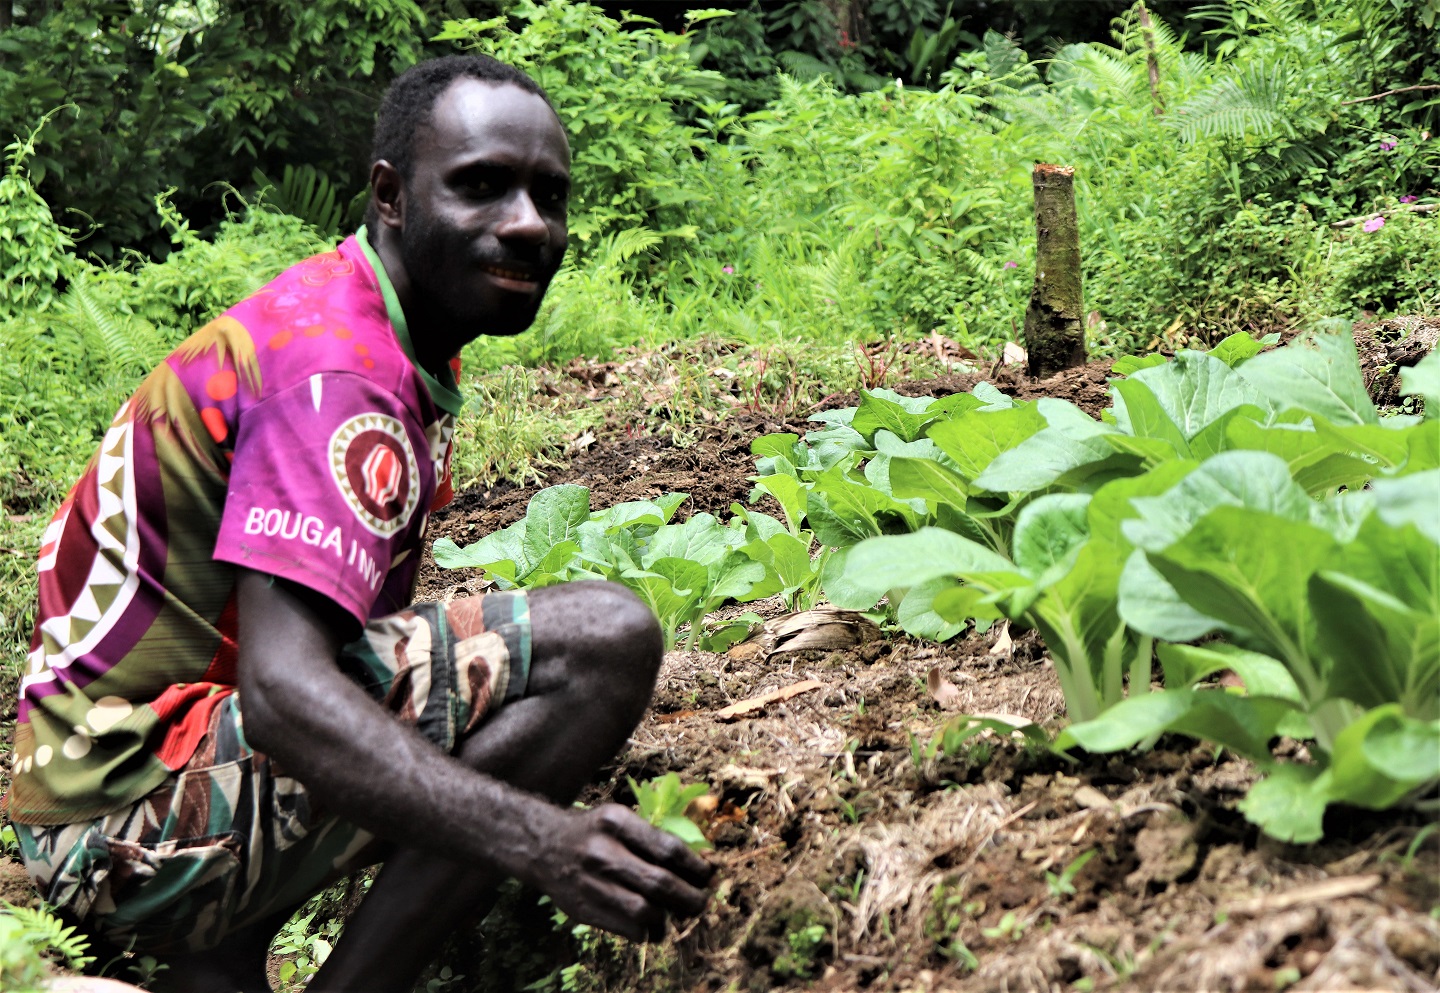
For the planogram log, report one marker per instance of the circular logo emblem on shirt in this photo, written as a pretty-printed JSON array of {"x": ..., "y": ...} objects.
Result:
[{"x": 374, "y": 466}]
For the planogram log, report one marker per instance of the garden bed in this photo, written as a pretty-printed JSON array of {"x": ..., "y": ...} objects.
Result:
[
  {"x": 849, "y": 861},
  {"x": 849, "y": 858}
]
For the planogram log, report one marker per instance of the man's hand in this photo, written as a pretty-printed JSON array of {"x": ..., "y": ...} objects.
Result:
[{"x": 609, "y": 868}]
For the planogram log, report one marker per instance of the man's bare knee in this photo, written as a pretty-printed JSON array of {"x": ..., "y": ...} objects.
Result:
[{"x": 598, "y": 636}]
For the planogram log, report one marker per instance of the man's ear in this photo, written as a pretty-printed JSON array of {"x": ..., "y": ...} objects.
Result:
[{"x": 387, "y": 194}]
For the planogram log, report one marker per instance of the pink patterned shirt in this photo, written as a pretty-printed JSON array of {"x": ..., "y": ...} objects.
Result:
[{"x": 293, "y": 435}]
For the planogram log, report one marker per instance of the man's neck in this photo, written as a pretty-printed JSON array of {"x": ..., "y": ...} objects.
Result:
[{"x": 427, "y": 340}]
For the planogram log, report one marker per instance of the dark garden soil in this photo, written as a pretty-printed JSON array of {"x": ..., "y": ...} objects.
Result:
[{"x": 847, "y": 863}]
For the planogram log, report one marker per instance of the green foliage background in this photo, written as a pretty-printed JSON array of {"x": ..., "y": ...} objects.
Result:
[{"x": 881, "y": 188}]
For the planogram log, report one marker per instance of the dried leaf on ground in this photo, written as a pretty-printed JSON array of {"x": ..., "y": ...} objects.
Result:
[
  {"x": 1326, "y": 889},
  {"x": 744, "y": 777},
  {"x": 581, "y": 442},
  {"x": 755, "y": 703},
  {"x": 946, "y": 693},
  {"x": 824, "y": 628},
  {"x": 1004, "y": 644}
]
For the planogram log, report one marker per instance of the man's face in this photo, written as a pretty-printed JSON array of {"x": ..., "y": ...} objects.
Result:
[{"x": 484, "y": 215}]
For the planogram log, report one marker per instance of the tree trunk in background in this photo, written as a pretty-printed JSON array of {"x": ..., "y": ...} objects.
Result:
[
  {"x": 850, "y": 17},
  {"x": 7, "y": 14},
  {"x": 1054, "y": 321},
  {"x": 1147, "y": 31}
]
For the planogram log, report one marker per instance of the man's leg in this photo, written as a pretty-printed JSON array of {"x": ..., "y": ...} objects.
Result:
[
  {"x": 595, "y": 652},
  {"x": 237, "y": 965}
]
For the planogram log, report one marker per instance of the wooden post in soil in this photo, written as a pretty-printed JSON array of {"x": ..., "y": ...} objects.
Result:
[{"x": 1055, "y": 321}]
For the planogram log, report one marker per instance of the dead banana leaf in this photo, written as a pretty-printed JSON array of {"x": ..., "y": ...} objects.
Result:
[
  {"x": 825, "y": 628},
  {"x": 746, "y": 707}
]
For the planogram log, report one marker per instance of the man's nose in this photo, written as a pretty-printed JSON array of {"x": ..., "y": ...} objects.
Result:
[{"x": 522, "y": 222}]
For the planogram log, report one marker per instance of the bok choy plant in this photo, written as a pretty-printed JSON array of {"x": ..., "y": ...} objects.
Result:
[{"x": 682, "y": 571}]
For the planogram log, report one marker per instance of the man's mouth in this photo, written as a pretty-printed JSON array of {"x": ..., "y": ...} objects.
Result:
[{"x": 511, "y": 275}]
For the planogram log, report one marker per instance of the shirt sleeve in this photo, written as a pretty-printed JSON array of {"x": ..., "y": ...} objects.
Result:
[{"x": 324, "y": 488}]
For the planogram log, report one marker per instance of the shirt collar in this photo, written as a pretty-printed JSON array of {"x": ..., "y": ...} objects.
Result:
[{"x": 442, "y": 391}]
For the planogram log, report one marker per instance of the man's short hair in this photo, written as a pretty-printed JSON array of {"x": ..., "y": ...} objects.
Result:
[{"x": 410, "y": 100}]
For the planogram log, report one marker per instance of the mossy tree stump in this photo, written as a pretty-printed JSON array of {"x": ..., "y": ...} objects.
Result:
[{"x": 1055, "y": 320}]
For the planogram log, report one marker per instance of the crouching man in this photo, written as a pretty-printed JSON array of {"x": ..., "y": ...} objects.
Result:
[{"x": 230, "y": 701}]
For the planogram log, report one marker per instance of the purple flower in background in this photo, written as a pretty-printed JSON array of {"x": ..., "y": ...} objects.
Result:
[
  {"x": 1409, "y": 199},
  {"x": 1011, "y": 265},
  {"x": 1386, "y": 146},
  {"x": 1374, "y": 224},
  {"x": 728, "y": 270}
]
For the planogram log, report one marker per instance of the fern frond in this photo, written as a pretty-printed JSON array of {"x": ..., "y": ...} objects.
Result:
[
  {"x": 1188, "y": 70},
  {"x": 804, "y": 66},
  {"x": 1008, "y": 64},
  {"x": 742, "y": 325},
  {"x": 618, "y": 248},
  {"x": 107, "y": 331},
  {"x": 1252, "y": 102},
  {"x": 307, "y": 194},
  {"x": 1164, "y": 36},
  {"x": 1062, "y": 70},
  {"x": 1111, "y": 71},
  {"x": 53, "y": 936}
]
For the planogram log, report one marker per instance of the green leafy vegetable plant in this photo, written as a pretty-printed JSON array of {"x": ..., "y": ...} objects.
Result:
[
  {"x": 682, "y": 571},
  {"x": 1254, "y": 497},
  {"x": 663, "y": 800},
  {"x": 1331, "y": 617}
]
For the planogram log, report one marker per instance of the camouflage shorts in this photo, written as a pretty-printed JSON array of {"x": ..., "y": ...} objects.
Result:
[{"x": 230, "y": 838}]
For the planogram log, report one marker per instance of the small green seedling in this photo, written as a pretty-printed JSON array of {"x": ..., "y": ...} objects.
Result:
[
  {"x": 722, "y": 636},
  {"x": 951, "y": 740},
  {"x": 1064, "y": 884},
  {"x": 305, "y": 950},
  {"x": 806, "y": 944},
  {"x": 662, "y": 802},
  {"x": 958, "y": 952},
  {"x": 1286, "y": 977},
  {"x": 1010, "y": 926},
  {"x": 949, "y": 912},
  {"x": 1407, "y": 861}
]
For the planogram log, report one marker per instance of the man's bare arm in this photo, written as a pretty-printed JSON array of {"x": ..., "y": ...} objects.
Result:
[{"x": 604, "y": 866}]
